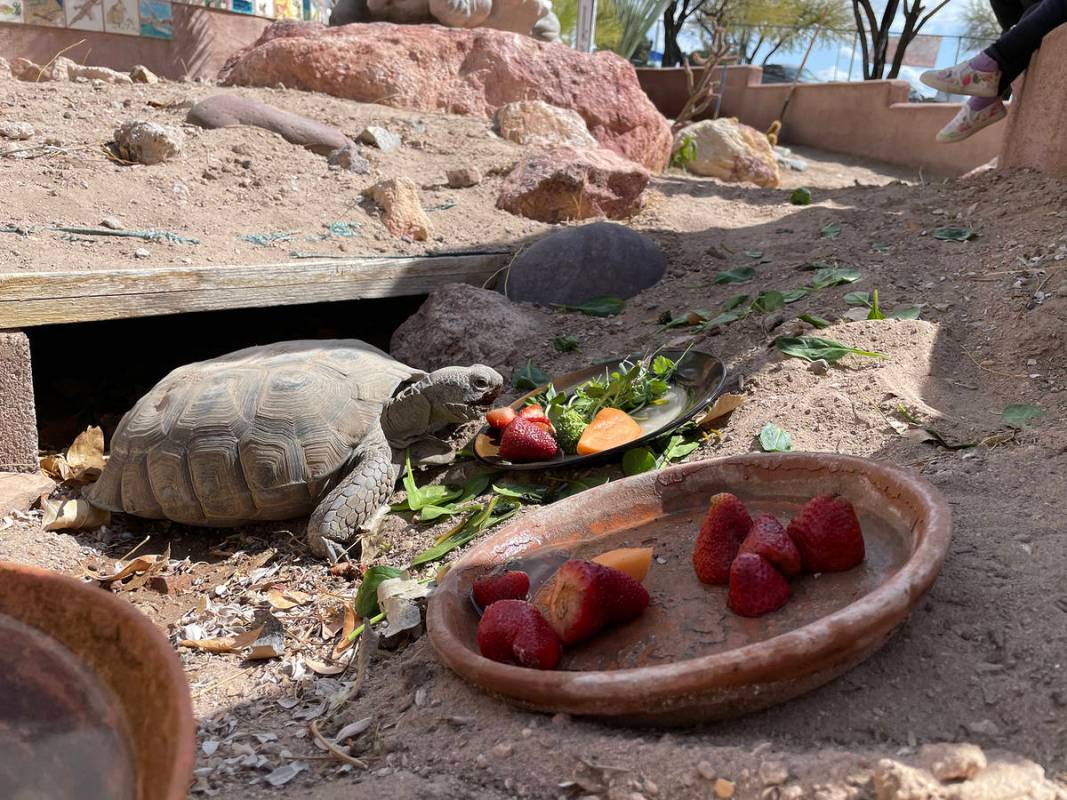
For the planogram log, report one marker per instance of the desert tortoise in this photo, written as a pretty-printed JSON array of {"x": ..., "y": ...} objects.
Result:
[{"x": 283, "y": 430}]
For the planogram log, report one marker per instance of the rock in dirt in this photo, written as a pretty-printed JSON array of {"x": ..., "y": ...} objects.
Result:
[
  {"x": 730, "y": 151},
  {"x": 471, "y": 72},
  {"x": 577, "y": 264},
  {"x": 952, "y": 762},
  {"x": 402, "y": 211},
  {"x": 1006, "y": 776},
  {"x": 534, "y": 122},
  {"x": 463, "y": 178},
  {"x": 384, "y": 140},
  {"x": 565, "y": 183},
  {"x": 148, "y": 142},
  {"x": 105, "y": 74},
  {"x": 142, "y": 74},
  {"x": 26, "y": 70},
  {"x": 226, "y": 110},
  {"x": 19, "y": 131},
  {"x": 349, "y": 159},
  {"x": 5, "y": 70},
  {"x": 463, "y": 325},
  {"x": 896, "y": 781},
  {"x": 19, "y": 491}
]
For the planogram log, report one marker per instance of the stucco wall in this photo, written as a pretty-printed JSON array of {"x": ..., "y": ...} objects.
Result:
[
  {"x": 871, "y": 119},
  {"x": 1035, "y": 136},
  {"x": 203, "y": 39}
]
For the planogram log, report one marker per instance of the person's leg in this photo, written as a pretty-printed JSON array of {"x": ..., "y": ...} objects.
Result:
[
  {"x": 1007, "y": 12},
  {"x": 1013, "y": 50}
]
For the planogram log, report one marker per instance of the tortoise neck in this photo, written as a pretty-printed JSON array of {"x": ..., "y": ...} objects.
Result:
[{"x": 406, "y": 419}]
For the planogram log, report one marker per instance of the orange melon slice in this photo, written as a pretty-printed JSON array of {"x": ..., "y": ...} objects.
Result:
[
  {"x": 634, "y": 561},
  {"x": 609, "y": 428}
]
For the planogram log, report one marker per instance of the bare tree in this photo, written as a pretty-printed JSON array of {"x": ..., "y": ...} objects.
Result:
[
  {"x": 874, "y": 33},
  {"x": 675, "y": 18}
]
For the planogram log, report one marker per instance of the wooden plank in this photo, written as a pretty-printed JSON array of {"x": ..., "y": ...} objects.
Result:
[{"x": 48, "y": 298}]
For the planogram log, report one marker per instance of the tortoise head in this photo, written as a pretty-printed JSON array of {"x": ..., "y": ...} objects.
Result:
[{"x": 444, "y": 397}]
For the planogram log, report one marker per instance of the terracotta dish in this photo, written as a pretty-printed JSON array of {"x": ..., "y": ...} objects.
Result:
[
  {"x": 688, "y": 658},
  {"x": 699, "y": 378},
  {"x": 94, "y": 701}
]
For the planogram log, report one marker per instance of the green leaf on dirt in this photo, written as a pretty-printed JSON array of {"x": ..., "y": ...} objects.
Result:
[
  {"x": 858, "y": 299},
  {"x": 565, "y": 344},
  {"x": 800, "y": 197},
  {"x": 834, "y": 276},
  {"x": 478, "y": 521},
  {"x": 366, "y": 603},
  {"x": 812, "y": 348},
  {"x": 737, "y": 275},
  {"x": 792, "y": 295},
  {"x": 911, "y": 312},
  {"x": 815, "y": 321},
  {"x": 931, "y": 435},
  {"x": 677, "y": 448},
  {"x": 754, "y": 253},
  {"x": 529, "y": 377},
  {"x": 769, "y": 301},
  {"x": 876, "y": 312},
  {"x": 724, "y": 319},
  {"x": 1020, "y": 415},
  {"x": 597, "y": 307},
  {"x": 735, "y": 302},
  {"x": 416, "y": 499},
  {"x": 954, "y": 234},
  {"x": 528, "y": 492},
  {"x": 879, "y": 248},
  {"x": 580, "y": 485},
  {"x": 775, "y": 440},
  {"x": 831, "y": 231},
  {"x": 638, "y": 460}
]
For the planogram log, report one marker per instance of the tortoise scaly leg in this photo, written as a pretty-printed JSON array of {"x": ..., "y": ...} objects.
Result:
[{"x": 358, "y": 502}]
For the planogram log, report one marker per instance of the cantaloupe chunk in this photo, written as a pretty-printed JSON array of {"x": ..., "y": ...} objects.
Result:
[
  {"x": 609, "y": 428},
  {"x": 634, "y": 561}
]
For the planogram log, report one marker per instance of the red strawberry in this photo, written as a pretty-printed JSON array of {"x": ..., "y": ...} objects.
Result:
[
  {"x": 500, "y": 418},
  {"x": 756, "y": 587},
  {"x": 768, "y": 538},
  {"x": 514, "y": 632},
  {"x": 524, "y": 440},
  {"x": 827, "y": 534},
  {"x": 535, "y": 413},
  {"x": 587, "y": 597},
  {"x": 725, "y": 527},
  {"x": 506, "y": 586}
]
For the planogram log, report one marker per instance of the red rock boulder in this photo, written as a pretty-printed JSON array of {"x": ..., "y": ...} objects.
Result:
[
  {"x": 458, "y": 71},
  {"x": 563, "y": 183}
]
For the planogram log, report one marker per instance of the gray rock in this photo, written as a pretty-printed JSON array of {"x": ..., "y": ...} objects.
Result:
[
  {"x": 142, "y": 74},
  {"x": 114, "y": 223},
  {"x": 348, "y": 158},
  {"x": 384, "y": 140},
  {"x": 819, "y": 367},
  {"x": 148, "y": 142},
  {"x": 462, "y": 325},
  {"x": 463, "y": 178},
  {"x": 19, "y": 131},
  {"x": 578, "y": 264},
  {"x": 950, "y": 761},
  {"x": 20, "y": 490}
]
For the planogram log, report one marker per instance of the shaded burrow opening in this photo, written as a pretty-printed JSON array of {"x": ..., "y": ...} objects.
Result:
[{"x": 91, "y": 373}]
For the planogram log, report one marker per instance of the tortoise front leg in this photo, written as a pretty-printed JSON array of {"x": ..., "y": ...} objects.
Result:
[{"x": 359, "y": 502}]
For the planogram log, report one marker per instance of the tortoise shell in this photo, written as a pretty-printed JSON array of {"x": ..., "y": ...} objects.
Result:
[{"x": 258, "y": 434}]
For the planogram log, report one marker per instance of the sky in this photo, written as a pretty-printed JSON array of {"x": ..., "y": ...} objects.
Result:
[{"x": 832, "y": 62}]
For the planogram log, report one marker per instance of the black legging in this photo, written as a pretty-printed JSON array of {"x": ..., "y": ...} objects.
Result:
[{"x": 1012, "y": 51}]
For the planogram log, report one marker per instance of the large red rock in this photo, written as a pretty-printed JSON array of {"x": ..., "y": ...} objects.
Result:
[
  {"x": 458, "y": 71},
  {"x": 564, "y": 183}
]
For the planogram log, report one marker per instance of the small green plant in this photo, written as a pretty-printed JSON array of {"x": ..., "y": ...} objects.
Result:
[
  {"x": 800, "y": 197},
  {"x": 565, "y": 343},
  {"x": 686, "y": 153}
]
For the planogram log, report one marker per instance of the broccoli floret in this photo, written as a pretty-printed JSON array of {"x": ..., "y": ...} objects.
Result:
[{"x": 569, "y": 429}]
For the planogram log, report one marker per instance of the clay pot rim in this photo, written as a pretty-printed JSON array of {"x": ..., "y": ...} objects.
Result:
[
  {"x": 793, "y": 654},
  {"x": 175, "y": 784}
]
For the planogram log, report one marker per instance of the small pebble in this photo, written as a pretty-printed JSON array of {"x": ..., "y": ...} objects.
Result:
[
  {"x": 819, "y": 367},
  {"x": 724, "y": 789},
  {"x": 707, "y": 772},
  {"x": 140, "y": 252},
  {"x": 113, "y": 223}
]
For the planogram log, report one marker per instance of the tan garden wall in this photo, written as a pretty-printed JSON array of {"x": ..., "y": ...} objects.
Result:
[
  {"x": 203, "y": 39},
  {"x": 1035, "y": 136},
  {"x": 871, "y": 119}
]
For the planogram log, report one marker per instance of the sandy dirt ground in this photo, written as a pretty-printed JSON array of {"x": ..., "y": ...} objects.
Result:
[{"x": 982, "y": 658}]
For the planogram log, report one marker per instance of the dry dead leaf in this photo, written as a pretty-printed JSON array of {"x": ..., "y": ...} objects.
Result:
[
  {"x": 86, "y": 453},
  {"x": 56, "y": 467},
  {"x": 284, "y": 599},
  {"x": 332, "y": 622},
  {"x": 720, "y": 408},
  {"x": 322, "y": 668},
  {"x": 351, "y": 620},
  {"x": 225, "y": 644},
  {"x": 62, "y": 515},
  {"x": 271, "y": 640},
  {"x": 135, "y": 573}
]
